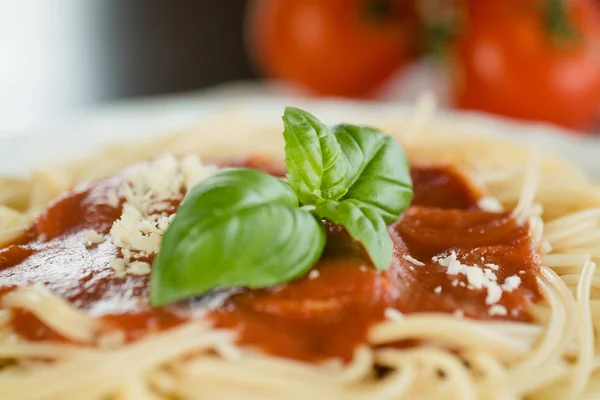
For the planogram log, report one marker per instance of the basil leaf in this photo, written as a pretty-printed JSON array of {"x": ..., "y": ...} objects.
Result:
[
  {"x": 232, "y": 189},
  {"x": 379, "y": 175},
  {"x": 364, "y": 224},
  {"x": 346, "y": 162},
  {"x": 316, "y": 165},
  {"x": 240, "y": 227}
]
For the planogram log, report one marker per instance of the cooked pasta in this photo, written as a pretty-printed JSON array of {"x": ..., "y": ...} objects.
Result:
[{"x": 449, "y": 355}]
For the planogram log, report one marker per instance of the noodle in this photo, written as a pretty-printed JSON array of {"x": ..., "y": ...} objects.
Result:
[
  {"x": 424, "y": 109},
  {"x": 585, "y": 357},
  {"x": 553, "y": 357},
  {"x": 456, "y": 332},
  {"x": 558, "y": 330},
  {"x": 530, "y": 184},
  {"x": 59, "y": 315}
]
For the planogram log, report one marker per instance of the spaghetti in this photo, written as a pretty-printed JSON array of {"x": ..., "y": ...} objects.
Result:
[{"x": 537, "y": 341}]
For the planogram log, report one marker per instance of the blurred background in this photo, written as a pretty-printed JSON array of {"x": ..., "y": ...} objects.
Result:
[{"x": 527, "y": 59}]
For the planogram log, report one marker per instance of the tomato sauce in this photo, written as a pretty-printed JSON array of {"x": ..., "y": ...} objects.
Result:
[{"x": 325, "y": 314}]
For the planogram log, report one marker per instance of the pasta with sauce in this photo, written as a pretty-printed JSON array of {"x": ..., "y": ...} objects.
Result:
[{"x": 492, "y": 292}]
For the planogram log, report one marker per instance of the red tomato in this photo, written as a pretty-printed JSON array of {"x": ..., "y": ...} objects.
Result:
[
  {"x": 331, "y": 47},
  {"x": 509, "y": 62}
]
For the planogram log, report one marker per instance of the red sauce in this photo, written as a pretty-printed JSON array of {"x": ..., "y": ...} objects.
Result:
[
  {"x": 443, "y": 187},
  {"x": 308, "y": 319}
]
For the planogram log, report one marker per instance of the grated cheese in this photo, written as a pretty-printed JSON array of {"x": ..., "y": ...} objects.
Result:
[
  {"x": 164, "y": 222},
  {"x": 148, "y": 194},
  {"x": 494, "y": 294},
  {"x": 138, "y": 268},
  {"x": 511, "y": 283},
  {"x": 438, "y": 290},
  {"x": 490, "y": 274},
  {"x": 118, "y": 266},
  {"x": 113, "y": 199},
  {"x": 91, "y": 237},
  {"x": 194, "y": 172},
  {"x": 314, "y": 274},
  {"x": 475, "y": 277},
  {"x": 478, "y": 278},
  {"x": 413, "y": 260},
  {"x": 497, "y": 310}
]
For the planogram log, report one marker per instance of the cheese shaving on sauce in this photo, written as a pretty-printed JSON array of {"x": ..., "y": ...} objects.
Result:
[
  {"x": 92, "y": 237},
  {"x": 511, "y": 283},
  {"x": 479, "y": 278},
  {"x": 492, "y": 266},
  {"x": 314, "y": 274},
  {"x": 149, "y": 196},
  {"x": 413, "y": 260},
  {"x": 118, "y": 266},
  {"x": 138, "y": 268},
  {"x": 497, "y": 310}
]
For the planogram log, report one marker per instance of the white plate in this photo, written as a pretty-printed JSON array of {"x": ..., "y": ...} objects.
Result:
[{"x": 148, "y": 118}]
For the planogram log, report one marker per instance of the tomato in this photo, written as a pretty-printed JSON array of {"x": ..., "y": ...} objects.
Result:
[
  {"x": 342, "y": 48},
  {"x": 511, "y": 62}
]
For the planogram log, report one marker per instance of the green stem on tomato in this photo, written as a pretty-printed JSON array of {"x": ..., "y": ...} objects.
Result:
[{"x": 558, "y": 22}]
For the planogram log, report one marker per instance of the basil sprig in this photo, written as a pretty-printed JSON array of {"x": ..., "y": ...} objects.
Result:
[
  {"x": 243, "y": 227},
  {"x": 367, "y": 187}
]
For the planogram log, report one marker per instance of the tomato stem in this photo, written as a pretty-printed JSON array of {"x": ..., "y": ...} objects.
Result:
[
  {"x": 378, "y": 11},
  {"x": 557, "y": 21},
  {"x": 441, "y": 21}
]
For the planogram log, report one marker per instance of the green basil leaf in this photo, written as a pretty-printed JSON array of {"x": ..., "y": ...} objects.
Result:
[
  {"x": 346, "y": 162},
  {"x": 364, "y": 224},
  {"x": 379, "y": 175},
  {"x": 229, "y": 190},
  {"x": 240, "y": 227},
  {"x": 316, "y": 165}
]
